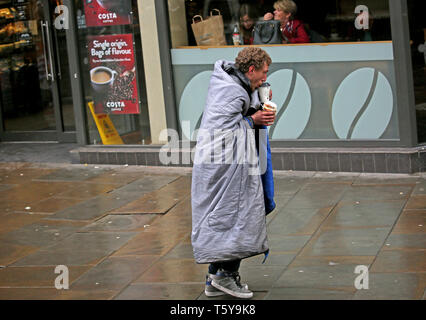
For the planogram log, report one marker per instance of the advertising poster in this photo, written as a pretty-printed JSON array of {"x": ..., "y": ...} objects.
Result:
[
  {"x": 107, "y": 12},
  {"x": 113, "y": 74}
]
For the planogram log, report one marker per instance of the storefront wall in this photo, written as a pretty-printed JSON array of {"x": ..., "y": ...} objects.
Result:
[
  {"x": 345, "y": 106},
  {"x": 334, "y": 94}
]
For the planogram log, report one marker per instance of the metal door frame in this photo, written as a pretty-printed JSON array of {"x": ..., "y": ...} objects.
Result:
[{"x": 59, "y": 134}]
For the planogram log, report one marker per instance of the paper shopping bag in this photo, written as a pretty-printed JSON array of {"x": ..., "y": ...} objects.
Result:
[{"x": 210, "y": 31}]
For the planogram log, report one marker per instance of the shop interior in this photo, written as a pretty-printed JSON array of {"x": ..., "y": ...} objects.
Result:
[{"x": 325, "y": 21}]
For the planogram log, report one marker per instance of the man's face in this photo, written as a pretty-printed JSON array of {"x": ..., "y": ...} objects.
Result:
[{"x": 257, "y": 77}]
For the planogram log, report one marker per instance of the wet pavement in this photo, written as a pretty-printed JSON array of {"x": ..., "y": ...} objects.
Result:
[{"x": 123, "y": 232}]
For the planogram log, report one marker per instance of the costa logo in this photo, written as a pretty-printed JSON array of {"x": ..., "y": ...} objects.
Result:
[
  {"x": 362, "y": 106},
  {"x": 293, "y": 98}
]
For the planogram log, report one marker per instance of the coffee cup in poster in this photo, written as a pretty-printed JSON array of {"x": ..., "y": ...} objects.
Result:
[{"x": 102, "y": 78}]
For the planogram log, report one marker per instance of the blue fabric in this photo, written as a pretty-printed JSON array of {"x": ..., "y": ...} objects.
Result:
[
  {"x": 267, "y": 177},
  {"x": 249, "y": 122}
]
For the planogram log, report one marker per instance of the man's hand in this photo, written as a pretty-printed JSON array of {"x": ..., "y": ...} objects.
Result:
[{"x": 265, "y": 118}]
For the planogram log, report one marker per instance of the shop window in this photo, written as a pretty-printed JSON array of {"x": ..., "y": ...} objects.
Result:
[
  {"x": 323, "y": 21},
  {"x": 342, "y": 92},
  {"x": 113, "y": 73}
]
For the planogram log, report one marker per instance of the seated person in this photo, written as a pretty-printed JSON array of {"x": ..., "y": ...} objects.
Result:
[
  {"x": 292, "y": 30},
  {"x": 248, "y": 18}
]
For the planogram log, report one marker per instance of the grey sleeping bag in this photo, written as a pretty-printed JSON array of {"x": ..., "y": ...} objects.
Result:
[{"x": 228, "y": 210}]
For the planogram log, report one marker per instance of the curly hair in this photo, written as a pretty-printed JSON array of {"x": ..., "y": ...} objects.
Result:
[{"x": 252, "y": 56}]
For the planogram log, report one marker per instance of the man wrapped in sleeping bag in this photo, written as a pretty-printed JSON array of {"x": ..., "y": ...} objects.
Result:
[{"x": 232, "y": 183}]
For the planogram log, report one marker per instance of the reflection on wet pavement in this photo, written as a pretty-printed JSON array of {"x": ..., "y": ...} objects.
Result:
[{"x": 125, "y": 233}]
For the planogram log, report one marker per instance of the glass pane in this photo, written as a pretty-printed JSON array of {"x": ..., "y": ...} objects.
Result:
[
  {"x": 342, "y": 91},
  {"x": 26, "y": 98},
  {"x": 112, "y": 68},
  {"x": 301, "y": 21}
]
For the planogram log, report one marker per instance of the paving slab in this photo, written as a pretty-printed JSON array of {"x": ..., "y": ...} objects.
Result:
[
  {"x": 260, "y": 278},
  {"x": 325, "y": 224},
  {"x": 50, "y": 205},
  {"x": 28, "y": 293},
  {"x": 14, "y": 221},
  {"x": 8, "y": 206},
  {"x": 114, "y": 273},
  {"x": 308, "y": 294},
  {"x": 71, "y": 174},
  {"x": 314, "y": 195},
  {"x": 113, "y": 222},
  {"x": 334, "y": 276},
  {"x": 411, "y": 221},
  {"x": 285, "y": 243},
  {"x": 330, "y": 261},
  {"x": 41, "y": 234},
  {"x": 405, "y": 241},
  {"x": 116, "y": 177},
  {"x": 159, "y": 201},
  {"x": 417, "y": 202},
  {"x": 87, "y": 190},
  {"x": 29, "y": 277},
  {"x": 34, "y": 191},
  {"x": 84, "y": 294},
  {"x": 420, "y": 188},
  {"x": 400, "y": 261},
  {"x": 6, "y": 186},
  {"x": 297, "y": 221},
  {"x": 79, "y": 249},
  {"x": 257, "y": 295},
  {"x": 22, "y": 175},
  {"x": 183, "y": 250},
  {"x": 146, "y": 184},
  {"x": 288, "y": 186},
  {"x": 161, "y": 291},
  {"x": 174, "y": 271},
  {"x": 373, "y": 192},
  {"x": 366, "y": 213},
  {"x": 356, "y": 242},
  {"x": 275, "y": 259},
  {"x": 151, "y": 243},
  {"x": 386, "y": 179},
  {"x": 9, "y": 253},
  {"x": 334, "y": 177},
  {"x": 393, "y": 286},
  {"x": 94, "y": 208}
]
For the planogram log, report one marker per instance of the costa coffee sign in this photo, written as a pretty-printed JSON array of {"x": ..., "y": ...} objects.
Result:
[
  {"x": 107, "y": 12},
  {"x": 113, "y": 74}
]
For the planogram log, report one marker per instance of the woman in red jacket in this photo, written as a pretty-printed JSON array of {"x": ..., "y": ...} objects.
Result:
[{"x": 292, "y": 30}]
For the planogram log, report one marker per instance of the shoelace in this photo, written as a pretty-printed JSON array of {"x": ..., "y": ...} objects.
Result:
[{"x": 237, "y": 279}]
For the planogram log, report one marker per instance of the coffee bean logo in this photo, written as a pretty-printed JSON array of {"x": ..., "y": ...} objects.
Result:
[
  {"x": 292, "y": 95},
  {"x": 362, "y": 106},
  {"x": 193, "y": 101}
]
